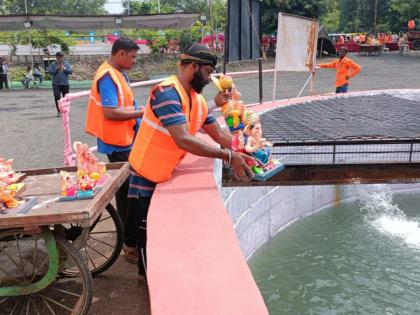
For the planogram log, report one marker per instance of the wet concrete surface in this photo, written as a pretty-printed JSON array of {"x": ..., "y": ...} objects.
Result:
[{"x": 33, "y": 135}]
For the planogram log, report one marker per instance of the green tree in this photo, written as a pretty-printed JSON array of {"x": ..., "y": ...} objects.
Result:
[
  {"x": 144, "y": 7},
  {"x": 331, "y": 18},
  {"x": 218, "y": 9},
  {"x": 166, "y": 6},
  {"x": 407, "y": 10},
  {"x": 368, "y": 16},
  {"x": 65, "y": 7},
  {"x": 270, "y": 9}
]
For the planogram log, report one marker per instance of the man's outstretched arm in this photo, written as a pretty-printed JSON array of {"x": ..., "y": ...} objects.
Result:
[
  {"x": 191, "y": 144},
  {"x": 219, "y": 135}
]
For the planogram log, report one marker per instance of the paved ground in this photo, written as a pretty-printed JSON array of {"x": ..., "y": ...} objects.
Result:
[{"x": 33, "y": 136}]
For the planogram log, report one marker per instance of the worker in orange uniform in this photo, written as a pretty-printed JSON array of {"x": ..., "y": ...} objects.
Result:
[
  {"x": 112, "y": 117},
  {"x": 345, "y": 68},
  {"x": 411, "y": 24}
]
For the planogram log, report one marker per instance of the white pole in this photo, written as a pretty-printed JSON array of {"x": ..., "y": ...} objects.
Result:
[
  {"x": 306, "y": 83},
  {"x": 312, "y": 88},
  {"x": 30, "y": 39},
  {"x": 274, "y": 85},
  {"x": 158, "y": 6}
]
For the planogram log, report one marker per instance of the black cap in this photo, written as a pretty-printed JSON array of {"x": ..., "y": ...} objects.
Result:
[{"x": 200, "y": 54}]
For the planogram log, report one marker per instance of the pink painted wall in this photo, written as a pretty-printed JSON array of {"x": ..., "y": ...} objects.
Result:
[{"x": 195, "y": 265}]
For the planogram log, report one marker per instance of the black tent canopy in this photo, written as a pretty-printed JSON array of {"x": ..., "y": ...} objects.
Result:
[
  {"x": 66, "y": 22},
  {"x": 325, "y": 43}
]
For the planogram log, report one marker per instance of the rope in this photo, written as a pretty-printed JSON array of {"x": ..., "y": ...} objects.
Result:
[{"x": 255, "y": 29}]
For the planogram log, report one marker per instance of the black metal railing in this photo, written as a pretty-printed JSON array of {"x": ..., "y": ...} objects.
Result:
[{"x": 348, "y": 152}]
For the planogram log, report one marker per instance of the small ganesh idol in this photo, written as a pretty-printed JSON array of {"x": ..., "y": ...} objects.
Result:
[
  {"x": 7, "y": 198},
  {"x": 7, "y": 174},
  {"x": 250, "y": 141},
  {"x": 87, "y": 164},
  {"x": 234, "y": 110},
  {"x": 68, "y": 186},
  {"x": 257, "y": 146}
]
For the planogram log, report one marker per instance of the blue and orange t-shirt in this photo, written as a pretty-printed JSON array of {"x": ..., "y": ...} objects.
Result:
[{"x": 166, "y": 105}]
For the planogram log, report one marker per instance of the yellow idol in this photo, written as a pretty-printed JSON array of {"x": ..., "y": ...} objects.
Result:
[
  {"x": 95, "y": 176},
  {"x": 225, "y": 82}
]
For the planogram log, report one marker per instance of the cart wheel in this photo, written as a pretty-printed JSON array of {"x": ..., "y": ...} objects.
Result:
[
  {"x": 24, "y": 260},
  {"x": 105, "y": 242}
]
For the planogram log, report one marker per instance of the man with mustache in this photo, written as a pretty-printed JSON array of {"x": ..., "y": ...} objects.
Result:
[{"x": 175, "y": 111}]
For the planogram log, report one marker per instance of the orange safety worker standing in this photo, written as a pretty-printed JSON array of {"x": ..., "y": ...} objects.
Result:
[{"x": 345, "y": 69}]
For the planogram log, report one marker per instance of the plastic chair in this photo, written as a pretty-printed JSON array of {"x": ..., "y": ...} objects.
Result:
[
  {"x": 404, "y": 48},
  {"x": 27, "y": 83},
  {"x": 37, "y": 81}
]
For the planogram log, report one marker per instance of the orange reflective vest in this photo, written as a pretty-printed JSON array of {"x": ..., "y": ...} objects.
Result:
[
  {"x": 154, "y": 154},
  {"x": 118, "y": 133}
]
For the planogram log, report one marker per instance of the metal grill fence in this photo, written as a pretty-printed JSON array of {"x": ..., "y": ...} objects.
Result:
[{"x": 348, "y": 152}]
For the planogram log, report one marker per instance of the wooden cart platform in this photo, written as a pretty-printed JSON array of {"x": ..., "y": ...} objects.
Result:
[
  {"x": 58, "y": 246},
  {"x": 44, "y": 184}
]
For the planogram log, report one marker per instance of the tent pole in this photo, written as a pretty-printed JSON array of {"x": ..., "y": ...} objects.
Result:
[
  {"x": 260, "y": 81},
  {"x": 322, "y": 44}
]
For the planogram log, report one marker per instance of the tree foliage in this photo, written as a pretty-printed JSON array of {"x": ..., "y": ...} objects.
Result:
[
  {"x": 270, "y": 8},
  {"x": 61, "y": 7},
  {"x": 406, "y": 10},
  {"x": 346, "y": 15},
  {"x": 217, "y": 18},
  {"x": 335, "y": 15}
]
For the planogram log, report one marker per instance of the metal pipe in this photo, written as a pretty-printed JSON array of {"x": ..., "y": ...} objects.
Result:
[
  {"x": 30, "y": 39},
  {"x": 260, "y": 79}
]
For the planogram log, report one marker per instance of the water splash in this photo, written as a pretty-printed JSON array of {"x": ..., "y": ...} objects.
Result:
[{"x": 384, "y": 215}]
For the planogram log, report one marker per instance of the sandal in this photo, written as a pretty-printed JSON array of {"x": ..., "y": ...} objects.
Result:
[{"x": 131, "y": 254}]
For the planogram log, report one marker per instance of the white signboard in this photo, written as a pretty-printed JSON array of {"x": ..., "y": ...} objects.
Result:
[{"x": 296, "y": 43}]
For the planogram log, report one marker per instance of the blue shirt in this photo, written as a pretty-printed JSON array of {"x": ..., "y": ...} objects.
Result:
[
  {"x": 109, "y": 98},
  {"x": 60, "y": 77},
  {"x": 166, "y": 105}
]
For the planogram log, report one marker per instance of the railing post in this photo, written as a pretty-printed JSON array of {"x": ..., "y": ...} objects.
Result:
[
  {"x": 333, "y": 154},
  {"x": 411, "y": 152}
]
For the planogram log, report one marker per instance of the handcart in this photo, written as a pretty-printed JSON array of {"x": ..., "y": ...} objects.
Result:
[{"x": 49, "y": 253}]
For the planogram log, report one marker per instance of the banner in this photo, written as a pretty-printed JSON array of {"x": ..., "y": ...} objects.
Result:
[{"x": 296, "y": 43}]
